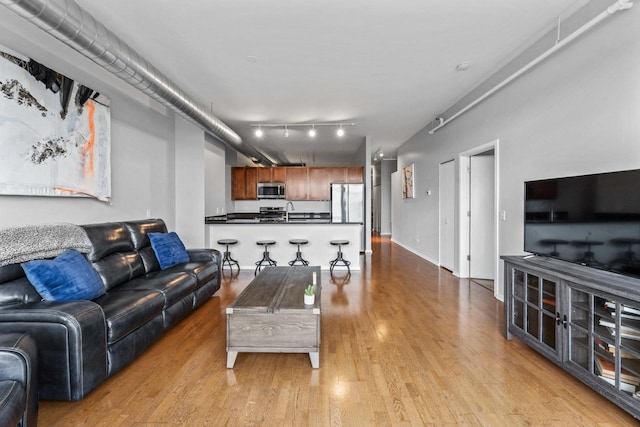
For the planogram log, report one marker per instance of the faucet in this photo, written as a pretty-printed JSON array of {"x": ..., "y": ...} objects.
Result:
[{"x": 286, "y": 210}]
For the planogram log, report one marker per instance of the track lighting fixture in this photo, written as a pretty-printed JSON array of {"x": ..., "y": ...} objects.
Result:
[
  {"x": 379, "y": 154},
  {"x": 312, "y": 131}
]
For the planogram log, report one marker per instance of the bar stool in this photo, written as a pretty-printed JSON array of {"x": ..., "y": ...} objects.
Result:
[
  {"x": 299, "y": 258},
  {"x": 339, "y": 258},
  {"x": 227, "y": 255},
  {"x": 266, "y": 259}
]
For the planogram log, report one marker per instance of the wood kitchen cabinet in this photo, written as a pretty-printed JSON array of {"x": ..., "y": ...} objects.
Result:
[
  {"x": 319, "y": 183},
  {"x": 321, "y": 178},
  {"x": 302, "y": 183},
  {"x": 244, "y": 183},
  {"x": 355, "y": 174},
  {"x": 337, "y": 175},
  {"x": 296, "y": 183},
  {"x": 278, "y": 174},
  {"x": 275, "y": 174}
]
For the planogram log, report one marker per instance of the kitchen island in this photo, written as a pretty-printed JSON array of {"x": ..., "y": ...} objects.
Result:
[{"x": 318, "y": 232}]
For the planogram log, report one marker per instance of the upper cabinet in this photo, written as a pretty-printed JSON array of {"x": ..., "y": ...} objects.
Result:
[
  {"x": 319, "y": 181},
  {"x": 355, "y": 174},
  {"x": 302, "y": 183},
  {"x": 276, "y": 174},
  {"x": 296, "y": 183},
  {"x": 244, "y": 183}
]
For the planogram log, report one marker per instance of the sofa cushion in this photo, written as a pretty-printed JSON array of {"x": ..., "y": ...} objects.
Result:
[
  {"x": 118, "y": 268},
  {"x": 173, "y": 285},
  {"x": 169, "y": 249},
  {"x": 67, "y": 277},
  {"x": 203, "y": 271},
  {"x": 126, "y": 311}
]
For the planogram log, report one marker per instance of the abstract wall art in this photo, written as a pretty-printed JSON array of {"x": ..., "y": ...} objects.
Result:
[
  {"x": 55, "y": 133},
  {"x": 408, "y": 191}
]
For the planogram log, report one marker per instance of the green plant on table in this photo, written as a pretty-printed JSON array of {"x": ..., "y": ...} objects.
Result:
[{"x": 310, "y": 290}]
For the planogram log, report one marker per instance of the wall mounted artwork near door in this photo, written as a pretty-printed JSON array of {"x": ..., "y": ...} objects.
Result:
[{"x": 408, "y": 190}]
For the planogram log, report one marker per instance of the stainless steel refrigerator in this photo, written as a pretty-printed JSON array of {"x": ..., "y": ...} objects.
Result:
[{"x": 347, "y": 205}]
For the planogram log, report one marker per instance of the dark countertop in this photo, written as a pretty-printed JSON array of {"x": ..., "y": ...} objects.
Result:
[{"x": 258, "y": 218}]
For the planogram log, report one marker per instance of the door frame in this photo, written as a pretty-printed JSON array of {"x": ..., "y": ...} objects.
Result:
[{"x": 463, "y": 209}]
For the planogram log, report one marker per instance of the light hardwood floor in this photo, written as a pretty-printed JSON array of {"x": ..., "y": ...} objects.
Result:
[{"x": 403, "y": 343}]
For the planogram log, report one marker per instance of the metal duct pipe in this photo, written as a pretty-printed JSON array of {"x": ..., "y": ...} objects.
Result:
[{"x": 69, "y": 23}]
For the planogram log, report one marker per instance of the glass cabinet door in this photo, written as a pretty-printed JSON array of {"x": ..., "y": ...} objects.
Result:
[
  {"x": 604, "y": 340},
  {"x": 534, "y": 305}
]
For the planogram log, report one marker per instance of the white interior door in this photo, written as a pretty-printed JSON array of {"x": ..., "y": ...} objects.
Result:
[
  {"x": 482, "y": 215},
  {"x": 446, "y": 191}
]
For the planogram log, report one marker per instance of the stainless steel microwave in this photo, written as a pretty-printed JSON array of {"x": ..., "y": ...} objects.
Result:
[{"x": 271, "y": 190}]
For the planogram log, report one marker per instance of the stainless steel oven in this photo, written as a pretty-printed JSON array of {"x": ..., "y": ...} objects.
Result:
[{"x": 271, "y": 190}]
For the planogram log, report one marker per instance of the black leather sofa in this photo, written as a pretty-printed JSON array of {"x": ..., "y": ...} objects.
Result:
[
  {"x": 18, "y": 387},
  {"x": 81, "y": 343}
]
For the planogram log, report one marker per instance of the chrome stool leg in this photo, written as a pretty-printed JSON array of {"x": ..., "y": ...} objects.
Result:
[
  {"x": 340, "y": 258},
  {"x": 266, "y": 259},
  {"x": 299, "y": 252}
]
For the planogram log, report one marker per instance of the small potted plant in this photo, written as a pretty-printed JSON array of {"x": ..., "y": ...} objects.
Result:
[{"x": 309, "y": 295}]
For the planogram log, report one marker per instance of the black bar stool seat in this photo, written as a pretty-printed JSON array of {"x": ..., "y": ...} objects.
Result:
[
  {"x": 266, "y": 259},
  {"x": 299, "y": 258},
  {"x": 339, "y": 258}
]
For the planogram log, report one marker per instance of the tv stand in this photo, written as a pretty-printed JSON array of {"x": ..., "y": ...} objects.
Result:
[{"x": 585, "y": 320}]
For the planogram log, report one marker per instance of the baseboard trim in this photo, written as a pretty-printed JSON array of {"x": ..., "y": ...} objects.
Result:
[{"x": 420, "y": 254}]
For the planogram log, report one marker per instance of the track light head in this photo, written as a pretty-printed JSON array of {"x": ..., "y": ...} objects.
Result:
[
  {"x": 259, "y": 133},
  {"x": 286, "y": 132},
  {"x": 340, "y": 131},
  {"x": 312, "y": 131}
]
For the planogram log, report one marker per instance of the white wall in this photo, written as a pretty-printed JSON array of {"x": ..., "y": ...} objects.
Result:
[
  {"x": 189, "y": 183},
  {"x": 215, "y": 179},
  {"x": 576, "y": 113}
]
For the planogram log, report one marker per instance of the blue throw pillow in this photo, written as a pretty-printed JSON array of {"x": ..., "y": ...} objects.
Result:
[
  {"x": 69, "y": 276},
  {"x": 169, "y": 249}
]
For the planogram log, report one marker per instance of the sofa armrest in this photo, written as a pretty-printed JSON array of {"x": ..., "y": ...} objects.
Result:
[
  {"x": 205, "y": 255},
  {"x": 19, "y": 362},
  {"x": 71, "y": 341}
]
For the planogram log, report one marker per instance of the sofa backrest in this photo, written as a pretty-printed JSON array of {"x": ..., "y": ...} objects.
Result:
[
  {"x": 15, "y": 288},
  {"x": 139, "y": 231},
  {"x": 120, "y": 252},
  {"x": 113, "y": 255}
]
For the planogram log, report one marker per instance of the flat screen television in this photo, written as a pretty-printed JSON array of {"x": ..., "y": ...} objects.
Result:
[{"x": 593, "y": 220}]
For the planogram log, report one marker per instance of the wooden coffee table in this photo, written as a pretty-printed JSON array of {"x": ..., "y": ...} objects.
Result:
[{"x": 269, "y": 316}]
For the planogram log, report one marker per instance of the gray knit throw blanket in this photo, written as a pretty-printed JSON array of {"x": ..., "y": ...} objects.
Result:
[{"x": 29, "y": 242}]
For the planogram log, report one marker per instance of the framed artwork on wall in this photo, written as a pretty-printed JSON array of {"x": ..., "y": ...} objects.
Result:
[
  {"x": 408, "y": 190},
  {"x": 55, "y": 133}
]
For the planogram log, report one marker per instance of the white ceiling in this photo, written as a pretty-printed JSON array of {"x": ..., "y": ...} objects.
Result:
[{"x": 388, "y": 66}]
